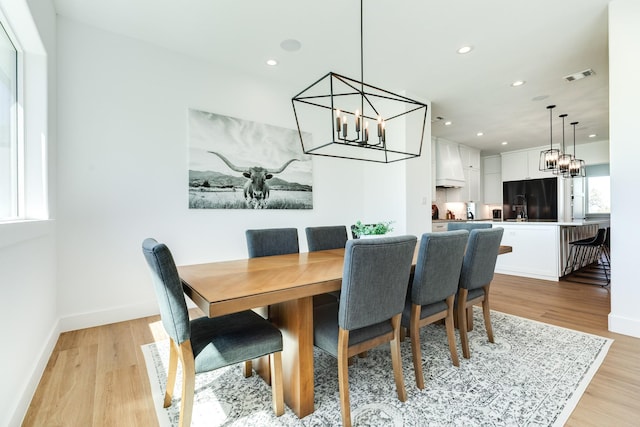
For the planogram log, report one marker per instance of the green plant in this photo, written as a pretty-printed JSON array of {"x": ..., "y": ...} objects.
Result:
[{"x": 360, "y": 229}]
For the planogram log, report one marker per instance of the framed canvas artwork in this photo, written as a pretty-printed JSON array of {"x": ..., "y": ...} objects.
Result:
[{"x": 241, "y": 164}]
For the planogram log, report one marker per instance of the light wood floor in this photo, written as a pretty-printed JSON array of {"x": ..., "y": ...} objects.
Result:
[{"x": 97, "y": 376}]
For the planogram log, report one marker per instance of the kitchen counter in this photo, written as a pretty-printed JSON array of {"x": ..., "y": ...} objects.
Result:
[
  {"x": 460, "y": 220},
  {"x": 575, "y": 223},
  {"x": 541, "y": 248}
]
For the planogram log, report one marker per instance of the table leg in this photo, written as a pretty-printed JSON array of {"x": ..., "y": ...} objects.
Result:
[{"x": 295, "y": 320}]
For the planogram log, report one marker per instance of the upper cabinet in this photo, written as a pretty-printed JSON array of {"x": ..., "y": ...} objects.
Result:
[
  {"x": 470, "y": 157},
  {"x": 518, "y": 165},
  {"x": 492, "y": 180}
]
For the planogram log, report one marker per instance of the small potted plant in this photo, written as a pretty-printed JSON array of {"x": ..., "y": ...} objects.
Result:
[{"x": 371, "y": 230}]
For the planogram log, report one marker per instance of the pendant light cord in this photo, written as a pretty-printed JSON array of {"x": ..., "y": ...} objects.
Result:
[
  {"x": 551, "y": 107},
  {"x": 362, "y": 58}
]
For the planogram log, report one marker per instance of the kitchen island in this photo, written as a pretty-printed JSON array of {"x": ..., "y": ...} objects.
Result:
[{"x": 540, "y": 249}]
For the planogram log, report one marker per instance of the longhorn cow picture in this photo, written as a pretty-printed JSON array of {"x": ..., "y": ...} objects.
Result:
[{"x": 239, "y": 164}]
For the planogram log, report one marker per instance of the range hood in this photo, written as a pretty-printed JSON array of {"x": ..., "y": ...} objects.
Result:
[{"x": 449, "y": 171}]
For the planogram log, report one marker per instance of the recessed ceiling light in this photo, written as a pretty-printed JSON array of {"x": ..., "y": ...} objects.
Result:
[
  {"x": 291, "y": 45},
  {"x": 479, "y": 134},
  {"x": 518, "y": 83},
  {"x": 504, "y": 142},
  {"x": 593, "y": 135},
  {"x": 272, "y": 62},
  {"x": 465, "y": 49},
  {"x": 448, "y": 123}
]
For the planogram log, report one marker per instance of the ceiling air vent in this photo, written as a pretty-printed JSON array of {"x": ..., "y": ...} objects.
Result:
[{"x": 580, "y": 75}]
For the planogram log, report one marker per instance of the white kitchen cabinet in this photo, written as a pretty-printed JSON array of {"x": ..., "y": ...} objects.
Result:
[
  {"x": 518, "y": 165},
  {"x": 492, "y": 188},
  {"x": 492, "y": 180},
  {"x": 470, "y": 157},
  {"x": 492, "y": 164},
  {"x": 472, "y": 177},
  {"x": 438, "y": 227}
]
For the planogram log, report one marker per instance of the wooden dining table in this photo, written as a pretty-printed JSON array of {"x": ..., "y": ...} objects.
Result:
[{"x": 287, "y": 285}]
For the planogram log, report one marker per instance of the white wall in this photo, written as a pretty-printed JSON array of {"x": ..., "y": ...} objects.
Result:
[
  {"x": 624, "y": 92},
  {"x": 123, "y": 171},
  {"x": 28, "y": 309}
]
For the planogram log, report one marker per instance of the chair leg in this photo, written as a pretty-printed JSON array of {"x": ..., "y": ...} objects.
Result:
[
  {"x": 415, "y": 345},
  {"x": 343, "y": 376},
  {"x": 462, "y": 322},
  {"x": 276, "y": 383},
  {"x": 396, "y": 360},
  {"x": 486, "y": 312},
  {"x": 451, "y": 337},
  {"x": 248, "y": 368},
  {"x": 171, "y": 375},
  {"x": 404, "y": 332},
  {"x": 188, "y": 383},
  {"x": 470, "y": 318}
]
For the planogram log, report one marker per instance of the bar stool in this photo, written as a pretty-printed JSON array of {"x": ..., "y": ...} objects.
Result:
[{"x": 586, "y": 251}]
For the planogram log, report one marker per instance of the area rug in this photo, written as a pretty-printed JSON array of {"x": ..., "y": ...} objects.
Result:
[{"x": 533, "y": 375}]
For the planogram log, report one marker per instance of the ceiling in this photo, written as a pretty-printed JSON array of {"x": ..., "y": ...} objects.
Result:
[{"x": 409, "y": 45}]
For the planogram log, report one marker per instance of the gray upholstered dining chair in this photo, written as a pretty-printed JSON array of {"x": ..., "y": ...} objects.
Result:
[
  {"x": 431, "y": 296},
  {"x": 374, "y": 286},
  {"x": 326, "y": 237},
  {"x": 205, "y": 344},
  {"x": 476, "y": 275},
  {"x": 272, "y": 241},
  {"x": 452, "y": 226}
]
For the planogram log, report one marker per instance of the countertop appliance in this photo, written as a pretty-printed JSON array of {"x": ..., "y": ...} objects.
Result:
[
  {"x": 434, "y": 212},
  {"x": 497, "y": 214},
  {"x": 471, "y": 210}
]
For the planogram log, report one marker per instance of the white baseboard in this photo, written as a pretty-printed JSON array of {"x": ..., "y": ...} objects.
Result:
[
  {"x": 33, "y": 379},
  {"x": 105, "y": 317},
  {"x": 624, "y": 325},
  {"x": 526, "y": 274}
]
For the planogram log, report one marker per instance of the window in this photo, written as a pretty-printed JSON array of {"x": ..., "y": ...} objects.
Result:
[
  {"x": 598, "y": 192},
  {"x": 8, "y": 128}
]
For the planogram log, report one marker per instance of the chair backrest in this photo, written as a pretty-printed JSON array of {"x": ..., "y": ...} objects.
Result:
[
  {"x": 468, "y": 225},
  {"x": 328, "y": 237},
  {"x": 375, "y": 279},
  {"x": 600, "y": 237},
  {"x": 607, "y": 239},
  {"x": 272, "y": 241},
  {"x": 480, "y": 257},
  {"x": 438, "y": 266},
  {"x": 168, "y": 289}
]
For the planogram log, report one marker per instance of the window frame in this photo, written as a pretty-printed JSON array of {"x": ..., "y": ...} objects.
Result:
[
  {"x": 595, "y": 171},
  {"x": 16, "y": 146}
]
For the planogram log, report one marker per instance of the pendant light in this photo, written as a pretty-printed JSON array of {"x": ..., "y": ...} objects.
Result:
[
  {"x": 577, "y": 167},
  {"x": 564, "y": 160},
  {"x": 549, "y": 158},
  {"x": 338, "y": 116}
]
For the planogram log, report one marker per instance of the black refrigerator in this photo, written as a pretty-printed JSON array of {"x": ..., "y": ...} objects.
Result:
[{"x": 531, "y": 199}]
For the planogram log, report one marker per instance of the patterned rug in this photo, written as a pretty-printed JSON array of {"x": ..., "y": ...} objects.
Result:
[{"x": 533, "y": 375}]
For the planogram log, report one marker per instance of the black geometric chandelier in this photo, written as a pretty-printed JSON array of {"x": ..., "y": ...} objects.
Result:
[{"x": 365, "y": 122}]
